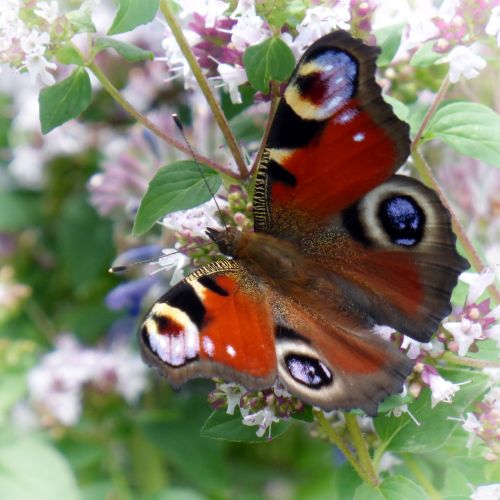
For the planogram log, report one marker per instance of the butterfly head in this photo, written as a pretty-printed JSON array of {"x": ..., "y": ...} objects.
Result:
[{"x": 226, "y": 239}]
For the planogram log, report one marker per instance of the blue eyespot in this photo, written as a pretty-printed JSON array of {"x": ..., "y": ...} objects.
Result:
[{"x": 402, "y": 219}]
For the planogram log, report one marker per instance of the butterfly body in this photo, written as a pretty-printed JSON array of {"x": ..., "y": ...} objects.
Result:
[{"x": 340, "y": 245}]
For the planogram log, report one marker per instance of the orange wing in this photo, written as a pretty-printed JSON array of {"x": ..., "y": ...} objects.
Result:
[
  {"x": 215, "y": 323},
  {"x": 333, "y": 138}
]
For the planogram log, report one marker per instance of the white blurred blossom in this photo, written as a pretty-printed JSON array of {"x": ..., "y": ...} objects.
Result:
[
  {"x": 57, "y": 383},
  {"x": 493, "y": 26},
  {"x": 464, "y": 62}
]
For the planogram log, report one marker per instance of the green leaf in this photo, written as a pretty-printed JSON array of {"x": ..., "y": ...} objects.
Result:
[
  {"x": 401, "y": 434},
  {"x": 392, "y": 488},
  {"x": 85, "y": 244},
  {"x": 19, "y": 210},
  {"x": 178, "y": 186},
  {"x": 81, "y": 21},
  {"x": 471, "y": 128},
  {"x": 269, "y": 60},
  {"x": 30, "y": 468},
  {"x": 425, "y": 56},
  {"x": 12, "y": 390},
  {"x": 221, "y": 425},
  {"x": 462, "y": 472},
  {"x": 176, "y": 435},
  {"x": 128, "y": 51},
  {"x": 64, "y": 100},
  {"x": 388, "y": 39},
  {"x": 133, "y": 13},
  {"x": 400, "y": 109},
  {"x": 69, "y": 55}
]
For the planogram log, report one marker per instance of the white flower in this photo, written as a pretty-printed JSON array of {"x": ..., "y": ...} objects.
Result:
[
  {"x": 56, "y": 384},
  {"x": 448, "y": 9},
  {"x": 441, "y": 390},
  {"x": 472, "y": 425},
  {"x": 388, "y": 461},
  {"x": 477, "y": 283},
  {"x": 414, "y": 347},
  {"x": 193, "y": 222},
  {"x": 232, "y": 76},
  {"x": 177, "y": 64},
  {"x": 38, "y": 66},
  {"x": 476, "y": 325},
  {"x": 233, "y": 393},
  {"x": 420, "y": 28},
  {"x": 464, "y": 62},
  {"x": 321, "y": 20},
  {"x": 35, "y": 43},
  {"x": 399, "y": 410},
  {"x": 263, "y": 418},
  {"x": 464, "y": 333},
  {"x": 173, "y": 259},
  {"x": 493, "y": 26},
  {"x": 211, "y": 10},
  {"x": 47, "y": 11},
  {"x": 249, "y": 30},
  {"x": 487, "y": 492}
]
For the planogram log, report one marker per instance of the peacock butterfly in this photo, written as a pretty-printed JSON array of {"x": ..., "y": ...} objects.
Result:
[{"x": 340, "y": 245}]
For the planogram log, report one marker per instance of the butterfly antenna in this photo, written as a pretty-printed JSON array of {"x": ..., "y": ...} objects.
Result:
[
  {"x": 126, "y": 267},
  {"x": 179, "y": 125}
]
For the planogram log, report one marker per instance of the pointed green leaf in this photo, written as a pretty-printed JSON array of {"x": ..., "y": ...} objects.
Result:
[
  {"x": 392, "y": 488},
  {"x": 402, "y": 434},
  {"x": 64, "y": 100},
  {"x": 177, "y": 186},
  {"x": 389, "y": 39},
  {"x": 471, "y": 128},
  {"x": 133, "y": 13},
  {"x": 269, "y": 60},
  {"x": 128, "y": 51},
  {"x": 221, "y": 425}
]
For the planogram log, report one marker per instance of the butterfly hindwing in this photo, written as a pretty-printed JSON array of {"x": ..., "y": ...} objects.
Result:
[{"x": 215, "y": 323}]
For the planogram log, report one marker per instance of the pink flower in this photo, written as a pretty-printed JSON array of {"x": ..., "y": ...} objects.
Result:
[{"x": 477, "y": 322}]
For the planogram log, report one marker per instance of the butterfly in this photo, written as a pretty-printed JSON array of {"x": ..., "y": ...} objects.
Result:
[{"x": 340, "y": 245}]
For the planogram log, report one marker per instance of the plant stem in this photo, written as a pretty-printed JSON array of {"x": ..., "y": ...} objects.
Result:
[
  {"x": 432, "y": 493},
  {"x": 430, "y": 112},
  {"x": 428, "y": 177},
  {"x": 362, "y": 449},
  {"x": 272, "y": 111},
  {"x": 115, "y": 94},
  {"x": 474, "y": 363},
  {"x": 205, "y": 88},
  {"x": 342, "y": 446}
]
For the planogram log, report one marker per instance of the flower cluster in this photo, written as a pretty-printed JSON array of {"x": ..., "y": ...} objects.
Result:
[
  {"x": 56, "y": 385},
  {"x": 484, "y": 421},
  {"x": 477, "y": 321},
  {"x": 31, "y": 33},
  {"x": 258, "y": 408}
]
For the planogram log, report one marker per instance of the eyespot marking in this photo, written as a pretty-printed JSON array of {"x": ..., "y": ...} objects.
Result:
[
  {"x": 359, "y": 137},
  {"x": 402, "y": 219},
  {"x": 308, "y": 371},
  {"x": 231, "y": 350}
]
